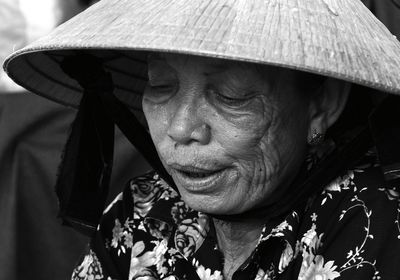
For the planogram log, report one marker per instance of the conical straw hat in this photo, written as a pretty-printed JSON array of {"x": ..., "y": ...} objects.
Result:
[{"x": 337, "y": 38}]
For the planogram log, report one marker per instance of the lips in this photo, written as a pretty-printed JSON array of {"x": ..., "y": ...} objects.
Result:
[
  {"x": 198, "y": 178},
  {"x": 195, "y": 173}
]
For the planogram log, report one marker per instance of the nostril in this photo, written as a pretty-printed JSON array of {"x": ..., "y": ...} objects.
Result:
[
  {"x": 202, "y": 134},
  {"x": 180, "y": 133},
  {"x": 186, "y": 134}
]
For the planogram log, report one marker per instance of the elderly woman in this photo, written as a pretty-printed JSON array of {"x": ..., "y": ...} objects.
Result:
[{"x": 261, "y": 171}]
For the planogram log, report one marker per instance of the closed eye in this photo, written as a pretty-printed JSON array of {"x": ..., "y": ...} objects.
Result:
[
  {"x": 228, "y": 100},
  {"x": 159, "y": 92}
]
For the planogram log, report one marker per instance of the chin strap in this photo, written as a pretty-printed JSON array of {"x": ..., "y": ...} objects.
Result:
[{"x": 84, "y": 174}]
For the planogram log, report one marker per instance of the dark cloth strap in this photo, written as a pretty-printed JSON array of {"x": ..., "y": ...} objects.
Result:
[
  {"x": 90, "y": 74},
  {"x": 84, "y": 174},
  {"x": 133, "y": 130},
  {"x": 85, "y": 171}
]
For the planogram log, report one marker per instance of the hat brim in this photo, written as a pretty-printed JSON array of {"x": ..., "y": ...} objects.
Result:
[{"x": 341, "y": 41}]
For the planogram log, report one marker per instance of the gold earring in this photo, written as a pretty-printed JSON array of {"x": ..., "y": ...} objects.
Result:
[{"x": 316, "y": 138}]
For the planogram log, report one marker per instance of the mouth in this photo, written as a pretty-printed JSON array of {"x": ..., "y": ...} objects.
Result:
[
  {"x": 198, "y": 179},
  {"x": 197, "y": 174}
]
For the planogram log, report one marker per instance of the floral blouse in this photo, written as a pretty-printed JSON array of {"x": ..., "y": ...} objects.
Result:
[{"x": 350, "y": 230}]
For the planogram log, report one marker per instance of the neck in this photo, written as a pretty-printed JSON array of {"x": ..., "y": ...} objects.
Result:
[{"x": 236, "y": 240}]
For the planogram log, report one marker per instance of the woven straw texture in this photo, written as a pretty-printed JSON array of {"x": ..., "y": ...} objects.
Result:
[{"x": 337, "y": 38}]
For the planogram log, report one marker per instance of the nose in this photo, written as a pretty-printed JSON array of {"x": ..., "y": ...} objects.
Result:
[{"x": 187, "y": 126}]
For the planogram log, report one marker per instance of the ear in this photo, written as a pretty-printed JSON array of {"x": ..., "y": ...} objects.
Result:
[{"x": 327, "y": 105}]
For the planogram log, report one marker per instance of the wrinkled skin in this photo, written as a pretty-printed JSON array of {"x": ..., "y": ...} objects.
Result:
[
  {"x": 243, "y": 126},
  {"x": 214, "y": 114}
]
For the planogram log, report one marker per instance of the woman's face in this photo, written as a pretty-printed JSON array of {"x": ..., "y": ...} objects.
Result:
[{"x": 228, "y": 133}]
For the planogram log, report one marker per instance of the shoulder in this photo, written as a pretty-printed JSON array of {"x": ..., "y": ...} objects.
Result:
[
  {"x": 355, "y": 224},
  {"x": 139, "y": 197},
  {"x": 143, "y": 197},
  {"x": 124, "y": 245},
  {"x": 359, "y": 193}
]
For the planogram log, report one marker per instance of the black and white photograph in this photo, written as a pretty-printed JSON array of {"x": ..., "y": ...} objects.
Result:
[{"x": 200, "y": 139}]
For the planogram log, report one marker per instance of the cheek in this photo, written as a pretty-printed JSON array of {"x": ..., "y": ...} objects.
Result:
[
  {"x": 157, "y": 120},
  {"x": 265, "y": 145},
  {"x": 239, "y": 133},
  {"x": 281, "y": 149}
]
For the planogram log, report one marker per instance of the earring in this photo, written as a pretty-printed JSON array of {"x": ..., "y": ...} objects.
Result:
[{"x": 316, "y": 138}]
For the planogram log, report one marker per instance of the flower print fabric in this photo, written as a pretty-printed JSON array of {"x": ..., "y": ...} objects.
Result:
[{"x": 351, "y": 230}]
